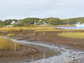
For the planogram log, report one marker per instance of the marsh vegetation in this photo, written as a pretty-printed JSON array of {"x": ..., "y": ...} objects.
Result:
[
  {"x": 8, "y": 45},
  {"x": 72, "y": 34},
  {"x": 50, "y": 35}
]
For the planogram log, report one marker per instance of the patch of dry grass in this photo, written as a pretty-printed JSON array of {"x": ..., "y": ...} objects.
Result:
[
  {"x": 7, "y": 45},
  {"x": 16, "y": 29},
  {"x": 10, "y": 35},
  {"x": 73, "y": 34}
]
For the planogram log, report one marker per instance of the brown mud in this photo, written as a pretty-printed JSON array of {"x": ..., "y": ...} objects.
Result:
[{"x": 44, "y": 36}]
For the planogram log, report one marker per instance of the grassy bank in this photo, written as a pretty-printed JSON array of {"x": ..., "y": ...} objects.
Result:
[
  {"x": 73, "y": 34},
  {"x": 8, "y": 45},
  {"x": 16, "y": 29}
]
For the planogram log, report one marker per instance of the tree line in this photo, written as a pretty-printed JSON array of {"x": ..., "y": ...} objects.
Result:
[{"x": 37, "y": 21}]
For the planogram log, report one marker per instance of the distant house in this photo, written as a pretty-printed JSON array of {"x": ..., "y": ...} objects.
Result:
[
  {"x": 13, "y": 22},
  {"x": 44, "y": 23},
  {"x": 40, "y": 23}
]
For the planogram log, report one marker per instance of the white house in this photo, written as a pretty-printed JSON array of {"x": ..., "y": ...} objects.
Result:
[
  {"x": 44, "y": 23},
  {"x": 13, "y": 22}
]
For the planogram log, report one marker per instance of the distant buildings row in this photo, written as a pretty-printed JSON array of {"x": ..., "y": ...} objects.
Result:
[{"x": 35, "y": 23}]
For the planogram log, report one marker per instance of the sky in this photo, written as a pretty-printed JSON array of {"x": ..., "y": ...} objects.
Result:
[{"x": 19, "y": 9}]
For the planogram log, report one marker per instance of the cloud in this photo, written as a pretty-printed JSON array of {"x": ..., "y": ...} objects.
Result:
[{"x": 41, "y": 8}]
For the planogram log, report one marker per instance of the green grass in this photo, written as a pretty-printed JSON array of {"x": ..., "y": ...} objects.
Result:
[
  {"x": 73, "y": 34},
  {"x": 8, "y": 45}
]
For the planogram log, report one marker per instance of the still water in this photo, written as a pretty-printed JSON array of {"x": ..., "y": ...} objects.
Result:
[{"x": 70, "y": 27}]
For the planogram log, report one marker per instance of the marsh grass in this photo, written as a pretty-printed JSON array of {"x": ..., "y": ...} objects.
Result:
[
  {"x": 73, "y": 34},
  {"x": 47, "y": 29},
  {"x": 19, "y": 34},
  {"x": 32, "y": 34},
  {"x": 22, "y": 29},
  {"x": 42, "y": 34},
  {"x": 10, "y": 35},
  {"x": 8, "y": 45}
]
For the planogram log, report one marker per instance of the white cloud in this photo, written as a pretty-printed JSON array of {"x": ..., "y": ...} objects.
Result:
[{"x": 41, "y": 8}]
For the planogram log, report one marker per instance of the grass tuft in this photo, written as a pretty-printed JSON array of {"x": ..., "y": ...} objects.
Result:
[{"x": 7, "y": 45}]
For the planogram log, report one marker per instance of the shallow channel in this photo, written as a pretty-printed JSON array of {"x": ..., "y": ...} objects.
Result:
[{"x": 65, "y": 55}]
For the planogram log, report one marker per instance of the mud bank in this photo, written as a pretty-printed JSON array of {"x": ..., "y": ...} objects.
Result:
[
  {"x": 50, "y": 37},
  {"x": 25, "y": 54}
]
